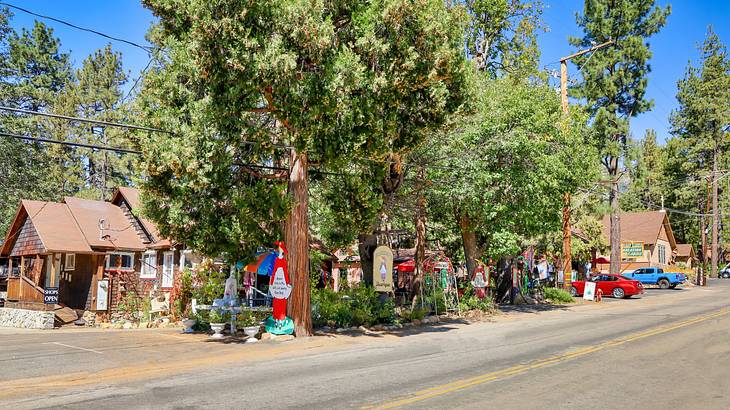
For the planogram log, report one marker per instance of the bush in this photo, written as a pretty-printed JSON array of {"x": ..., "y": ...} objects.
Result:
[
  {"x": 558, "y": 295},
  {"x": 350, "y": 307},
  {"x": 207, "y": 285}
]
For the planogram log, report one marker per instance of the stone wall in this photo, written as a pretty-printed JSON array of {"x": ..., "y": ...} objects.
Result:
[{"x": 26, "y": 319}]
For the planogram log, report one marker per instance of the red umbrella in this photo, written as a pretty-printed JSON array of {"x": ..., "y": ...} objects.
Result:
[
  {"x": 407, "y": 266},
  {"x": 602, "y": 260}
]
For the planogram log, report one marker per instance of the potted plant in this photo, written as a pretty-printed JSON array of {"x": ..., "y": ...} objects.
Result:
[
  {"x": 218, "y": 321},
  {"x": 188, "y": 320},
  {"x": 250, "y": 325}
]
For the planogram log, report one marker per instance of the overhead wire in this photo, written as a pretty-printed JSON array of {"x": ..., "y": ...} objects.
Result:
[{"x": 147, "y": 49}]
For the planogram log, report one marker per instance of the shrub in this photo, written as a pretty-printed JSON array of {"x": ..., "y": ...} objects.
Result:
[
  {"x": 208, "y": 284},
  {"x": 350, "y": 307},
  {"x": 558, "y": 295}
]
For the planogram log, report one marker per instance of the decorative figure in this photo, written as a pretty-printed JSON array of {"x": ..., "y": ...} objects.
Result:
[
  {"x": 280, "y": 288},
  {"x": 479, "y": 282},
  {"x": 383, "y": 269}
]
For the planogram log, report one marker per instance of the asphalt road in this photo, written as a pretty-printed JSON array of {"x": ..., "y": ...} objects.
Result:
[{"x": 668, "y": 350}]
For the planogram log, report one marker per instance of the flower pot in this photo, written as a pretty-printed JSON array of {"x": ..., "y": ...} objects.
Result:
[
  {"x": 189, "y": 323},
  {"x": 251, "y": 331},
  {"x": 218, "y": 329}
]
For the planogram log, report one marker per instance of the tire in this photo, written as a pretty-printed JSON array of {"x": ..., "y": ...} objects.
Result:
[
  {"x": 573, "y": 291},
  {"x": 618, "y": 293},
  {"x": 726, "y": 275},
  {"x": 663, "y": 284},
  {"x": 673, "y": 286}
]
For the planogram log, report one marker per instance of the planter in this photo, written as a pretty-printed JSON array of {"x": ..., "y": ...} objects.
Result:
[
  {"x": 189, "y": 323},
  {"x": 251, "y": 331},
  {"x": 218, "y": 329}
]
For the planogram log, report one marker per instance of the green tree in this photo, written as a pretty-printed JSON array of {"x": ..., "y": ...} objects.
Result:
[
  {"x": 33, "y": 72},
  {"x": 614, "y": 82},
  {"x": 646, "y": 167},
  {"x": 285, "y": 85},
  {"x": 703, "y": 119}
]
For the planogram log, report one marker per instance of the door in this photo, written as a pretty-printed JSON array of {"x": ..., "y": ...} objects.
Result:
[
  {"x": 606, "y": 283},
  {"x": 167, "y": 269}
]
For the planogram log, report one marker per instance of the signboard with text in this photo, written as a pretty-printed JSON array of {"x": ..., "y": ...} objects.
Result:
[
  {"x": 50, "y": 296},
  {"x": 383, "y": 269},
  {"x": 589, "y": 292},
  {"x": 632, "y": 250}
]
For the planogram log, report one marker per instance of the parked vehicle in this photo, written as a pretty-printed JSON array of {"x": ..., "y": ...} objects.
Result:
[
  {"x": 657, "y": 276},
  {"x": 614, "y": 285},
  {"x": 724, "y": 272}
]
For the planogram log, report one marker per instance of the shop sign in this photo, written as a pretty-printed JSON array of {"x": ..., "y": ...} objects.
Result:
[
  {"x": 589, "y": 292},
  {"x": 50, "y": 296},
  {"x": 279, "y": 288},
  {"x": 383, "y": 269},
  {"x": 632, "y": 250}
]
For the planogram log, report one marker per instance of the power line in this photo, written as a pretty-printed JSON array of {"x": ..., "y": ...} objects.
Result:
[
  {"x": 147, "y": 49},
  {"x": 71, "y": 144},
  {"x": 87, "y": 120}
]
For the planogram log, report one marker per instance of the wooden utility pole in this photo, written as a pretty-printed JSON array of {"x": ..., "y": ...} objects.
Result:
[
  {"x": 567, "y": 261},
  {"x": 715, "y": 212},
  {"x": 703, "y": 227}
]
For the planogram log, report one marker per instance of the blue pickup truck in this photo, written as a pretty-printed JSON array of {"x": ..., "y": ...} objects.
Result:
[{"x": 657, "y": 276}]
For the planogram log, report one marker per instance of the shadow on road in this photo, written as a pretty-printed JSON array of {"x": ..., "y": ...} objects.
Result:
[{"x": 531, "y": 308}]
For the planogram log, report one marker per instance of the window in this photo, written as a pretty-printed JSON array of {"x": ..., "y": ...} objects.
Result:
[
  {"x": 168, "y": 264},
  {"x": 70, "y": 262},
  {"x": 149, "y": 265},
  {"x": 120, "y": 261},
  {"x": 662, "y": 254},
  {"x": 188, "y": 260}
]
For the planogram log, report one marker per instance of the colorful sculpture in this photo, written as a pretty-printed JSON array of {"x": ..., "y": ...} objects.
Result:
[{"x": 280, "y": 289}]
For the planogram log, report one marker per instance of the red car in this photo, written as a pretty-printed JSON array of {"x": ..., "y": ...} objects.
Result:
[{"x": 614, "y": 285}]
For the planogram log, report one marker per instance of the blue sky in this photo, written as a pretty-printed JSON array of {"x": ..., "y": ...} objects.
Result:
[{"x": 673, "y": 47}]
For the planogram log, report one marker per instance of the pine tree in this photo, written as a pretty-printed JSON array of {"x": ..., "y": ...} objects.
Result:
[{"x": 614, "y": 82}]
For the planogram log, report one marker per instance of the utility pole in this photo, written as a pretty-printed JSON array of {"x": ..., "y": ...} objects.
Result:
[
  {"x": 703, "y": 226},
  {"x": 715, "y": 212},
  {"x": 567, "y": 262}
]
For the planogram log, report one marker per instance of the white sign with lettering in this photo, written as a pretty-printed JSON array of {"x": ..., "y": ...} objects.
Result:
[
  {"x": 279, "y": 289},
  {"x": 589, "y": 292}
]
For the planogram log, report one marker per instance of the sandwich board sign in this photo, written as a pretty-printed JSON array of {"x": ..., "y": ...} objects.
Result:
[{"x": 589, "y": 292}]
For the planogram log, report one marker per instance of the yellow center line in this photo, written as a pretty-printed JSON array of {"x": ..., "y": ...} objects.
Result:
[{"x": 523, "y": 368}]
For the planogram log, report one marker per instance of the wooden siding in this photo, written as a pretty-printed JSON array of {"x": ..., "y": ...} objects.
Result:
[
  {"x": 146, "y": 238},
  {"x": 27, "y": 242},
  {"x": 75, "y": 285}
]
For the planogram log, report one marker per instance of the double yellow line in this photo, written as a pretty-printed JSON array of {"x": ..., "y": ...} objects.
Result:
[{"x": 519, "y": 369}]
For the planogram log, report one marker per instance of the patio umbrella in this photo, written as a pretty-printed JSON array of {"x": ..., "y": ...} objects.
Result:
[
  {"x": 407, "y": 266},
  {"x": 264, "y": 265},
  {"x": 602, "y": 260}
]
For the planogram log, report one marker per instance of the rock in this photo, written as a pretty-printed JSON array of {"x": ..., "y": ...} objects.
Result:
[
  {"x": 127, "y": 325},
  {"x": 165, "y": 320},
  {"x": 341, "y": 330},
  {"x": 399, "y": 326},
  {"x": 80, "y": 322},
  {"x": 377, "y": 328},
  {"x": 266, "y": 336},
  {"x": 416, "y": 322},
  {"x": 425, "y": 321},
  {"x": 106, "y": 325},
  {"x": 284, "y": 338},
  {"x": 362, "y": 329},
  {"x": 326, "y": 328},
  {"x": 353, "y": 328}
]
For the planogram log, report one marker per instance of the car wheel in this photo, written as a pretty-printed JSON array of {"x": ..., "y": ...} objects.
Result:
[
  {"x": 663, "y": 284},
  {"x": 672, "y": 286},
  {"x": 573, "y": 291},
  {"x": 618, "y": 293},
  {"x": 726, "y": 275}
]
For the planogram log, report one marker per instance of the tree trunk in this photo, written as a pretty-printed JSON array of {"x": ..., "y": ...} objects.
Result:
[
  {"x": 297, "y": 242},
  {"x": 567, "y": 262},
  {"x": 420, "y": 222},
  {"x": 703, "y": 260},
  {"x": 366, "y": 244},
  {"x": 469, "y": 239},
  {"x": 615, "y": 236},
  {"x": 715, "y": 212}
]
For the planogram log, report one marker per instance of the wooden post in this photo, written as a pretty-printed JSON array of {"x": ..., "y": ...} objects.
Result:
[
  {"x": 564, "y": 85},
  {"x": 22, "y": 273}
]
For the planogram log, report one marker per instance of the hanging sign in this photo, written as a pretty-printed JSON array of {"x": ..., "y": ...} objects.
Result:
[
  {"x": 50, "y": 296},
  {"x": 589, "y": 292},
  {"x": 383, "y": 269}
]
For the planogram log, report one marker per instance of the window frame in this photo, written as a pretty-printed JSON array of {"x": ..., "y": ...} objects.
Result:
[
  {"x": 144, "y": 268},
  {"x": 662, "y": 254},
  {"x": 171, "y": 271},
  {"x": 123, "y": 268},
  {"x": 69, "y": 267}
]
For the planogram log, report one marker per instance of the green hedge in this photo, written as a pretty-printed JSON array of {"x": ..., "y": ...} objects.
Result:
[
  {"x": 558, "y": 295},
  {"x": 350, "y": 307}
]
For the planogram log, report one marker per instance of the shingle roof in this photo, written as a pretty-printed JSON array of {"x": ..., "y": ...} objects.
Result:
[
  {"x": 685, "y": 249},
  {"x": 118, "y": 230},
  {"x": 131, "y": 195},
  {"x": 639, "y": 226},
  {"x": 56, "y": 227}
]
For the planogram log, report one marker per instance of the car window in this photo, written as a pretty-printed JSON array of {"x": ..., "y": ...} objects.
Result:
[
  {"x": 660, "y": 270},
  {"x": 639, "y": 271}
]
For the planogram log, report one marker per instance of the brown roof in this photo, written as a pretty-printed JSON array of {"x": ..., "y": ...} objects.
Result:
[
  {"x": 131, "y": 196},
  {"x": 641, "y": 226},
  {"x": 119, "y": 233},
  {"x": 685, "y": 249},
  {"x": 54, "y": 224}
]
